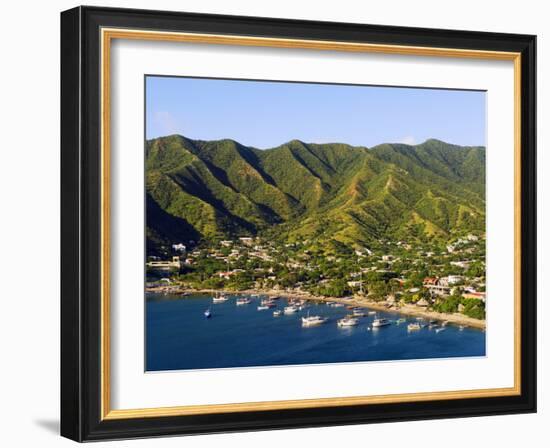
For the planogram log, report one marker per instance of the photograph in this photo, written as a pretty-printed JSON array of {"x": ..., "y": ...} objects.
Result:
[
  {"x": 291, "y": 220},
  {"x": 302, "y": 223}
]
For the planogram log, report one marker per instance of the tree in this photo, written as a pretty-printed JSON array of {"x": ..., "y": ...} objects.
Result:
[
  {"x": 473, "y": 308},
  {"x": 335, "y": 288},
  {"x": 378, "y": 290},
  {"x": 448, "y": 304},
  {"x": 476, "y": 269}
]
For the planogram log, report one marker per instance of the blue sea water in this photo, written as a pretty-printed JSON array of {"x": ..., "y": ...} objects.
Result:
[{"x": 178, "y": 336}]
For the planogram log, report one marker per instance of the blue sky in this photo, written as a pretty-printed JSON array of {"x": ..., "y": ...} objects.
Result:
[{"x": 267, "y": 114}]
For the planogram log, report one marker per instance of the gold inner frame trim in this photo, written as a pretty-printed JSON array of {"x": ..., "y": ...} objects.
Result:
[{"x": 107, "y": 35}]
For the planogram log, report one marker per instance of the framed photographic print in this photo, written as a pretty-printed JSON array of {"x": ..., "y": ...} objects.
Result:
[{"x": 275, "y": 224}]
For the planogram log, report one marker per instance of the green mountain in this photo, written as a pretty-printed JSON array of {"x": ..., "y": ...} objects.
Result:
[{"x": 320, "y": 192}]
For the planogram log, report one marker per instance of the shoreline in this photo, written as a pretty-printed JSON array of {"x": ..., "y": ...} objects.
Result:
[{"x": 359, "y": 301}]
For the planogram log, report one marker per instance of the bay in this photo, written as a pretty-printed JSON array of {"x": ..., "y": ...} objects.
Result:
[{"x": 179, "y": 337}]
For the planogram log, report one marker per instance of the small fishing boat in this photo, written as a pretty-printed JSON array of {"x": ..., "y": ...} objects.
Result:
[
  {"x": 413, "y": 326},
  {"x": 372, "y": 313},
  {"x": 461, "y": 327},
  {"x": 357, "y": 312},
  {"x": 263, "y": 307},
  {"x": 338, "y": 305},
  {"x": 208, "y": 313},
  {"x": 348, "y": 322},
  {"x": 277, "y": 313},
  {"x": 437, "y": 330},
  {"x": 220, "y": 298},
  {"x": 243, "y": 301},
  {"x": 400, "y": 321},
  {"x": 290, "y": 309},
  {"x": 311, "y": 321},
  {"x": 380, "y": 323}
]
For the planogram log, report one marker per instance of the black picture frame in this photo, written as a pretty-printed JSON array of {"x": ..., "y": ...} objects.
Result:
[{"x": 81, "y": 224}]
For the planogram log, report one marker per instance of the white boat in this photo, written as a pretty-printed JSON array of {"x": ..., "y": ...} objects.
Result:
[
  {"x": 400, "y": 321},
  {"x": 220, "y": 298},
  {"x": 338, "y": 305},
  {"x": 461, "y": 327},
  {"x": 437, "y": 330},
  {"x": 348, "y": 322},
  {"x": 208, "y": 313},
  {"x": 277, "y": 313},
  {"x": 311, "y": 321},
  {"x": 380, "y": 322},
  {"x": 372, "y": 313},
  {"x": 263, "y": 307},
  {"x": 290, "y": 309},
  {"x": 413, "y": 326},
  {"x": 243, "y": 301},
  {"x": 359, "y": 313}
]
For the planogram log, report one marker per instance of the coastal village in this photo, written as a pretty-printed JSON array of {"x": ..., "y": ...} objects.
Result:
[{"x": 426, "y": 278}]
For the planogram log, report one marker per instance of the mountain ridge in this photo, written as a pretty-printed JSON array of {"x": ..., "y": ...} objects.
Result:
[{"x": 333, "y": 191}]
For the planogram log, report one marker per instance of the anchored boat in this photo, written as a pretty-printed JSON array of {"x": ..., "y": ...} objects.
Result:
[
  {"x": 380, "y": 323},
  {"x": 311, "y": 321},
  {"x": 348, "y": 322},
  {"x": 290, "y": 309},
  {"x": 220, "y": 298}
]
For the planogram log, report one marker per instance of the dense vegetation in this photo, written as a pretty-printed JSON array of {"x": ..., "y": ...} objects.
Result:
[{"x": 336, "y": 197}]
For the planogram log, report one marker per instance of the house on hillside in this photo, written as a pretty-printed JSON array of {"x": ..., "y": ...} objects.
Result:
[
  {"x": 435, "y": 286},
  {"x": 451, "y": 280},
  {"x": 475, "y": 295}
]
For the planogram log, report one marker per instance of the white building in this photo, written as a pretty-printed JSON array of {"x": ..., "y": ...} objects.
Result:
[
  {"x": 246, "y": 240},
  {"x": 451, "y": 280}
]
